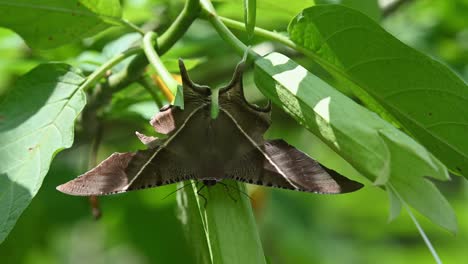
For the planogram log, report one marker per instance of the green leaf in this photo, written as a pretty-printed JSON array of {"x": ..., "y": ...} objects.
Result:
[
  {"x": 229, "y": 217},
  {"x": 221, "y": 217},
  {"x": 285, "y": 127},
  {"x": 369, "y": 7},
  {"x": 250, "y": 13},
  {"x": 52, "y": 23},
  {"x": 395, "y": 204},
  {"x": 375, "y": 148},
  {"x": 191, "y": 219},
  {"x": 392, "y": 79},
  {"x": 36, "y": 122}
]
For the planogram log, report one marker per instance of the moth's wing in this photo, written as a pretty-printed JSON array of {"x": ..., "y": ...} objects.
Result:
[
  {"x": 253, "y": 120},
  {"x": 171, "y": 117},
  {"x": 280, "y": 165},
  {"x": 124, "y": 172}
]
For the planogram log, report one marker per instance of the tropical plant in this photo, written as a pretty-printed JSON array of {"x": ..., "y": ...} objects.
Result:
[{"x": 371, "y": 107}]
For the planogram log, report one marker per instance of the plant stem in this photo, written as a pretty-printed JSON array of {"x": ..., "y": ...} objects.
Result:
[
  {"x": 250, "y": 14},
  {"x": 136, "y": 67},
  {"x": 94, "y": 77},
  {"x": 418, "y": 226},
  {"x": 156, "y": 62},
  {"x": 270, "y": 35},
  {"x": 209, "y": 14},
  {"x": 214, "y": 103},
  {"x": 132, "y": 26},
  {"x": 150, "y": 88}
]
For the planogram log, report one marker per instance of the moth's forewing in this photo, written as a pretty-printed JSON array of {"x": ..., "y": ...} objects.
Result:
[
  {"x": 109, "y": 176},
  {"x": 303, "y": 172}
]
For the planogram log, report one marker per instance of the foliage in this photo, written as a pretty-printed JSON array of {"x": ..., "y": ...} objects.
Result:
[{"x": 346, "y": 91}]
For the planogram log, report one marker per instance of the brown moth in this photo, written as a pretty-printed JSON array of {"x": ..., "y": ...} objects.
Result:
[{"x": 209, "y": 150}]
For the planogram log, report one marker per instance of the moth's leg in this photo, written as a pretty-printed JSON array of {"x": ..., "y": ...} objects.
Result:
[
  {"x": 242, "y": 192},
  {"x": 178, "y": 189},
  {"x": 228, "y": 191},
  {"x": 95, "y": 208},
  {"x": 202, "y": 196}
]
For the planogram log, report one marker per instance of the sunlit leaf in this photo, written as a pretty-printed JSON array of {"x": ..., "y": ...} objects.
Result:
[
  {"x": 396, "y": 81},
  {"x": 375, "y": 148},
  {"x": 36, "y": 121}
]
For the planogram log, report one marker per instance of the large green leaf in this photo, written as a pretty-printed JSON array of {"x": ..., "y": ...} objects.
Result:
[
  {"x": 191, "y": 219},
  {"x": 375, "y": 148},
  {"x": 369, "y": 7},
  {"x": 426, "y": 97},
  {"x": 230, "y": 225},
  {"x": 52, "y": 23},
  {"x": 36, "y": 121},
  {"x": 220, "y": 220}
]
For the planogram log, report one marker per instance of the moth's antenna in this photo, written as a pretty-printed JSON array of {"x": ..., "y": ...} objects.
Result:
[{"x": 178, "y": 189}]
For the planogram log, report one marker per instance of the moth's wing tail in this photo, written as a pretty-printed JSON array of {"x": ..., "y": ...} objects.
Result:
[{"x": 278, "y": 164}]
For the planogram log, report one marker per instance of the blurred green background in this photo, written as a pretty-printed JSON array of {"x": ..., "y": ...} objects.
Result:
[{"x": 141, "y": 227}]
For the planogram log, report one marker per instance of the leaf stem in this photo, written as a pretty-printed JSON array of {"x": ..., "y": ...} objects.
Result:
[
  {"x": 250, "y": 13},
  {"x": 149, "y": 86},
  {"x": 214, "y": 103},
  {"x": 177, "y": 29},
  {"x": 132, "y": 26},
  {"x": 209, "y": 14},
  {"x": 418, "y": 226},
  {"x": 94, "y": 77},
  {"x": 274, "y": 36},
  {"x": 270, "y": 35},
  {"x": 156, "y": 62},
  {"x": 423, "y": 235}
]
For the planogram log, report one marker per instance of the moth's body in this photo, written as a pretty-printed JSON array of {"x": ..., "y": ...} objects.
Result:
[
  {"x": 207, "y": 149},
  {"x": 213, "y": 145}
]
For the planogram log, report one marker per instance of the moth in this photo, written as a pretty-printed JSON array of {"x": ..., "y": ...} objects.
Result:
[{"x": 199, "y": 147}]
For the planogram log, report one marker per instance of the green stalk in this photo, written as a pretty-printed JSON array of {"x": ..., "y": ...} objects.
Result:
[
  {"x": 230, "y": 224},
  {"x": 426, "y": 240},
  {"x": 250, "y": 13},
  {"x": 177, "y": 29},
  {"x": 94, "y": 77},
  {"x": 214, "y": 103},
  {"x": 132, "y": 26},
  {"x": 209, "y": 14},
  {"x": 156, "y": 62}
]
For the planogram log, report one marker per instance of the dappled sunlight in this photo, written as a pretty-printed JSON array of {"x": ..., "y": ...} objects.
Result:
[
  {"x": 299, "y": 74},
  {"x": 322, "y": 117}
]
